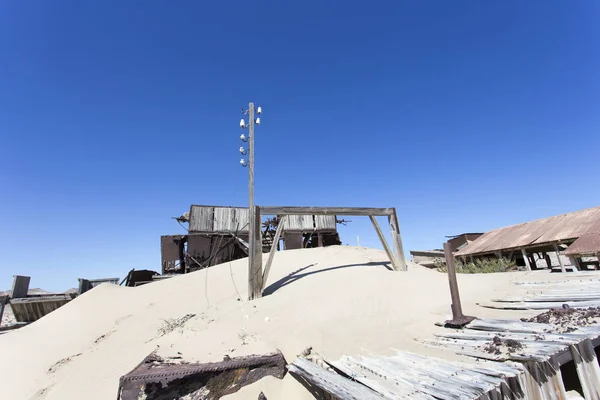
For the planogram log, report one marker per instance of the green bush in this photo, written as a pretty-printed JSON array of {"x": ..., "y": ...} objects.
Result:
[{"x": 481, "y": 266}]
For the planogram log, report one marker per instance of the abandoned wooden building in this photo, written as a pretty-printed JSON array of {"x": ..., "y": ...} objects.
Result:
[
  {"x": 562, "y": 242},
  {"x": 218, "y": 234}
]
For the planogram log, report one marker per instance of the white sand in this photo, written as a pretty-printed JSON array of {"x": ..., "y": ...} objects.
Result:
[{"x": 340, "y": 300}]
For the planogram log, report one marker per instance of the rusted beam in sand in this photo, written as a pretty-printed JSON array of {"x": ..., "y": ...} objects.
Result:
[{"x": 155, "y": 378}]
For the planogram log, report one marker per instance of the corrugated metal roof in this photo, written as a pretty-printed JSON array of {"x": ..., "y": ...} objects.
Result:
[
  {"x": 299, "y": 223},
  {"x": 545, "y": 230},
  {"x": 587, "y": 244}
]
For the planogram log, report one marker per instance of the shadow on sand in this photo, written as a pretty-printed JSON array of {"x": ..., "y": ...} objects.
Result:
[{"x": 294, "y": 276}]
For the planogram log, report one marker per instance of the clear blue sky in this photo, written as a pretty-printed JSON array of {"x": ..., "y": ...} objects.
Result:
[{"x": 116, "y": 115}]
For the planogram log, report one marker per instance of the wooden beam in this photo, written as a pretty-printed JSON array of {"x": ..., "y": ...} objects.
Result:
[
  {"x": 526, "y": 258},
  {"x": 364, "y": 211},
  {"x": 273, "y": 250},
  {"x": 389, "y": 253},
  {"x": 562, "y": 266},
  {"x": 397, "y": 240},
  {"x": 575, "y": 262}
]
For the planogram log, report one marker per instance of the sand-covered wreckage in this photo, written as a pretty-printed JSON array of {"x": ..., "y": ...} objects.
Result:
[{"x": 335, "y": 322}]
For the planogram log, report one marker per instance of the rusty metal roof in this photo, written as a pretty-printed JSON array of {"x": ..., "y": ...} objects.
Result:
[
  {"x": 587, "y": 244},
  {"x": 538, "y": 232}
]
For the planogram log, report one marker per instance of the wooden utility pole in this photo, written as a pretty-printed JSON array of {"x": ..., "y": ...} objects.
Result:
[{"x": 254, "y": 239}]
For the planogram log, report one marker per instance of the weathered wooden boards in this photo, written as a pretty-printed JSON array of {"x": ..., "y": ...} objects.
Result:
[{"x": 256, "y": 277}]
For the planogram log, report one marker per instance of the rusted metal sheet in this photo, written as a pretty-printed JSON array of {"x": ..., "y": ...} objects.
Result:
[
  {"x": 571, "y": 225},
  {"x": 155, "y": 378},
  {"x": 587, "y": 244},
  {"x": 32, "y": 309},
  {"x": 538, "y": 232},
  {"x": 201, "y": 219},
  {"x": 199, "y": 247},
  {"x": 325, "y": 222},
  {"x": 169, "y": 247},
  {"x": 292, "y": 240},
  {"x": 299, "y": 223}
]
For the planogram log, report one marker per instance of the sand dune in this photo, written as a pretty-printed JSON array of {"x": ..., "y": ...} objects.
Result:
[{"x": 339, "y": 300}]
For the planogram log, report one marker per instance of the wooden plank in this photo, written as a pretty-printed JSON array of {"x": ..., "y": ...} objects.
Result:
[
  {"x": 20, "y": 287},
  {"x": 397, "y": 240},
  {"x": 385, "y": 244},
  {"x": 273, "y": 250},
  {"x": 364, "y": 211}
]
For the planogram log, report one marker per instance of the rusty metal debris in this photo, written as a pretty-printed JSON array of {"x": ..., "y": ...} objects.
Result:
[{"x": 155, "y": 378}]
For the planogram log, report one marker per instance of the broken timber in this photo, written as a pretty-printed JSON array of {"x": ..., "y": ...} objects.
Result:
[
  {"x": 256, "y": 277},
  {"x": 155, "y": 378}
]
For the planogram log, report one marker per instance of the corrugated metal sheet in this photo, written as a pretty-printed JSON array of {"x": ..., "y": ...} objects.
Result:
[
  {"x": 207, "y": 219},
  {"x": 299, "y": 223},
  {"x": 199, "y": 247},
  {"x": 169, "y": 249},
  {"x": 571, "y": 225},
  {"x": 242, "y": 220},
  {"x": 224, "y": 219},
  {"x": 545, "y": 230},
  {"x": 325, "y": 222},
  {"x": 201, "y": 219},
  {"x": 587, "y": 244}
]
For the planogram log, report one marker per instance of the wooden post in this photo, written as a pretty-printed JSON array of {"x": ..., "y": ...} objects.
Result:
[
  {"x": 255, "y": 279},
  {"x": 575, "y": 262},
  {"x": 397, "y": 240},
  {"x": 20, "y": 287},
  {"x": 273, "y": 249},
  {"x": 3, "y": 303},
  {"x": 458, "y": 319},
  {"x": 562, "y": 266},
  {"x": 499, "y": 255},
  {"x": 524, "y": 252},
  {"x": 389, "y": 253}
]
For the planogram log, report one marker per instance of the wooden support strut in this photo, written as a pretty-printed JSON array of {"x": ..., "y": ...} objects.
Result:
[
  {"x": 560, "y": 262},
  {"x": 359, "y": 211},
  {"x": 386, "y": 247},
  {"x": 397, "y": 240},
  {"x": 273, "y": 250},
  {"x": 526, "y": 259}
]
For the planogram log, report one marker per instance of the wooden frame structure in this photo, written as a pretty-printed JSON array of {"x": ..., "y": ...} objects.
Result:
[{"x": 257, "y": 279}]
